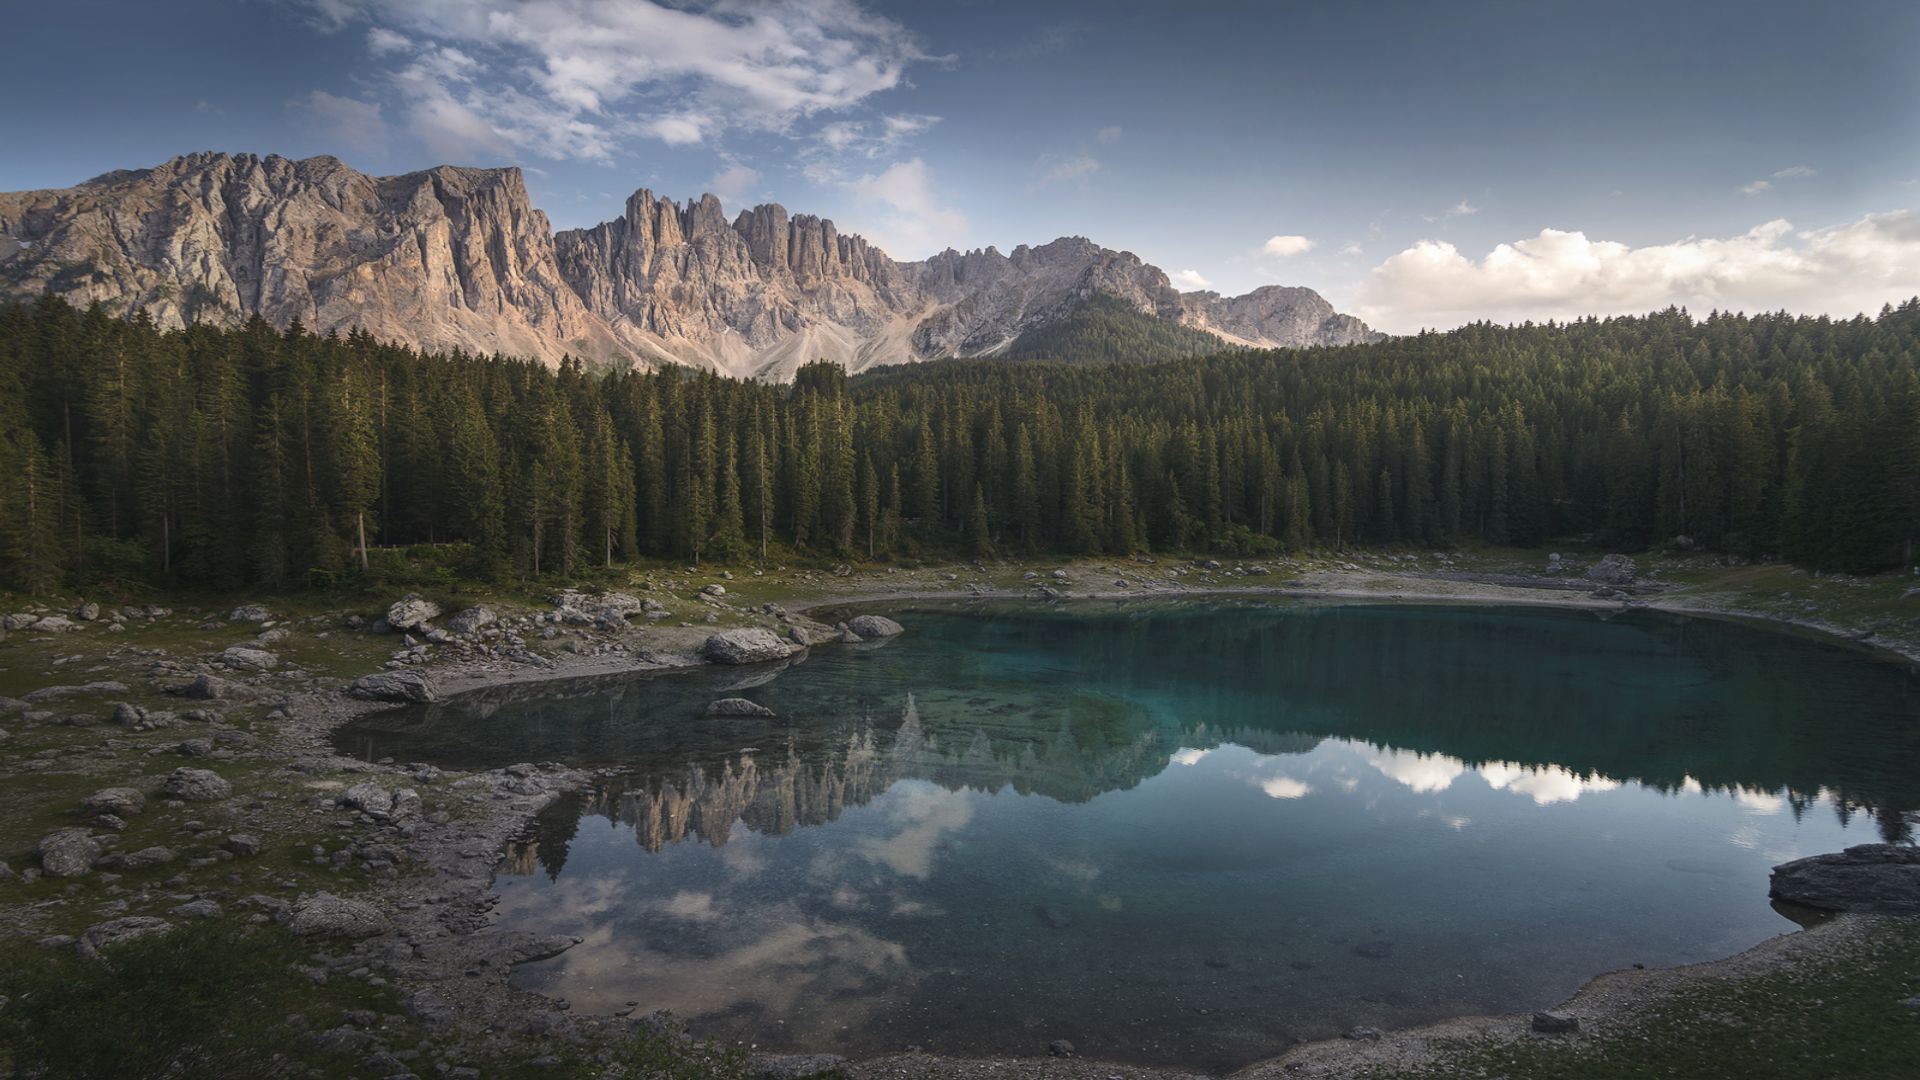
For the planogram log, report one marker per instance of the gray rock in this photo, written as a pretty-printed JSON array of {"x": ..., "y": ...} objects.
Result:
[
  {"x": 67, "y": 852},
  {"x": 471, "y": 620},
  {"x": 145, "y": 859},
  {"x": 196, "y": 785},
  {"x": 196, "y": 909},
  {"x": 750, "y": 645},
  {"x": 119, "y": 801},
  {"x": 210, "y": 688},
  {"x": 1613, "y": 570},
  {"x": 801, "y": 1067},
  {"x": 87, "y": 612},
  {"x": 120, "y": 931},
  {"x": 737, "y": 706},
  {"x": 714, "y": 590},
  {"x": 406, "y": 804},
  {"x": 368, "y": 797},
  {"x": 406, "y": 687},
  {"x": 1060, "y": 1048},
  {"x": 248, "y": 658},
  {"x": 1881, "y": 879},
  {"x": 412, "y": 612},
  {"x": 52, "y": 624},
  {"x": 1555, "y": 1023},
  {"x": 328, "y": 916},
  {"x": 244, "y": 845},
  {"x": 55, "y": 693},
  {"x": 253, "y": 613},
  {"x": 874, "y": 626}
]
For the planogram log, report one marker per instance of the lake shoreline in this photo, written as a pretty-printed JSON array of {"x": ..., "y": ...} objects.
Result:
[{"x": 457, "y": 977}]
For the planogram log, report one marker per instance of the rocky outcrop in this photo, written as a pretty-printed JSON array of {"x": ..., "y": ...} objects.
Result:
[
  {"x": 403, "y": 687},
  {"x": 458, "y": 258},
  {"x": 1881, "y": 879}
]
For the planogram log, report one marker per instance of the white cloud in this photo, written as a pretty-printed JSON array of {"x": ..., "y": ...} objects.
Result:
[
  {"x": 1108, "y": 135},
  {"x": 1189, "y": 280},
  {"x": 1285, "y": 246},
  {"x": 1352, "y": 247},
  {"x": 1544, "y": 784},
  {"x": 1756, "y": 187},
  {"x": 1841, "y": 270},
  {"x": 869, "y": 138},
  {"x": 735, "y": 184},
  {"x": 1424, "y": 773},
  {"x": 354, "y": 124},
  {"x": 1285, "y": 787},
  {"x": 1461, "y": 209},
  {"x": 1071, "y": 170},
  {"x": 1189, "y": 756},
  {"x": 902, "y": 214},
  {"x": 570, "y": 78}
]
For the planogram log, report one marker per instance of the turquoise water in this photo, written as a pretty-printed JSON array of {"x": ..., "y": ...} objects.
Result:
[{"x": 1181, "y": 834}]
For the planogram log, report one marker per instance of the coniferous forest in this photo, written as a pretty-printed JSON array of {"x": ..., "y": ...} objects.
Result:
[{"x": 221, "y": 458}]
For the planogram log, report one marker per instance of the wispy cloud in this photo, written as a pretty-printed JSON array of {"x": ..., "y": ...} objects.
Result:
[
  {"x": 1108, "y": 135},
  {"x": 1189, "y": 280},
  {"x": 349, "y": 123},
  {"x": 576, "y": 78},
  {"x": 1791, "y": 172},
  {"x": 901, "y": 213},
  {"x": 1066, "y": 170}
]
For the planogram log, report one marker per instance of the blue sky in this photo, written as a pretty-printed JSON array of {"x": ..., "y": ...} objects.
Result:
[{"x": 1419, "y": 163}]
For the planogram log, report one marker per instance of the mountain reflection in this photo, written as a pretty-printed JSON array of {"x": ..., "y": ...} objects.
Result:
[{"x": 1549, "y": 706}]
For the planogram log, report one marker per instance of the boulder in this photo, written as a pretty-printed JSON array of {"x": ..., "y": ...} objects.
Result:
[
  {"x": 714, "y": 590},
  {"x": 367, "y": 797},
  {"x": 248, "y": 658},
  {"x": 55, "y": 693},
  {"x": 145, "y": 859},
  {"x": 244, "y": 845},
  {"x": 1555, "y": 1023},
  {"x": 67, "y": 852},
  {"x": 737, "y": 706},
  {"x": 1060, "y": 1048},
  {"x": 196, "y": 785},
  {"x": 471, "y": 620},
  {"x": 1880, "y": 879},
  {"x": 325, "y": 915},
  {"x": 750, "y": 645},
  {"x": 119, "y": 801},
  {"x": 253, "y": 613},
  {"x": 52, "y": 624},
  {"x": 209, "y": 688},
  {"x": 1613, "y": 570},
  {"x": 87, "y": 612},
  {"x": 874, "y": 626},
  {"x": 406, "y": 687},
  {"x": 411, "y": 612},
  {"x": 120, "y": 931}
]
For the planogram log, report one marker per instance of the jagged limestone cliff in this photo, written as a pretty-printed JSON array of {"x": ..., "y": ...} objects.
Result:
[{"x": 459, "y": 258}]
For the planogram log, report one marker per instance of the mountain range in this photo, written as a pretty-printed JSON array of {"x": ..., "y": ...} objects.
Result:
[{"x": 455, "y": 257}]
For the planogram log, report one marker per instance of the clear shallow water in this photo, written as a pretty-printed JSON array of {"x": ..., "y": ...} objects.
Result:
[{"x": 1182, "y": 834}]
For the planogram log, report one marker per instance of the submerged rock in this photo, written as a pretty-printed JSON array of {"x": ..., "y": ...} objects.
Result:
[
  {"x": 737, "y": 706},
  {"x": 1880, "y": 879}
]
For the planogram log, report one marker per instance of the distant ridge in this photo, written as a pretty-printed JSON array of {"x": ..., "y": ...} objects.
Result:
[{"x": 459, "y": 258}]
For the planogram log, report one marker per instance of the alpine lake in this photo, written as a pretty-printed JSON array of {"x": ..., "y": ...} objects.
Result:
[{"x": 1179, "y": 833}]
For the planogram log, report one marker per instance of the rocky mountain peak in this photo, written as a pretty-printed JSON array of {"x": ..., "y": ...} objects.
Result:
[{"x": 458, "y": 257}]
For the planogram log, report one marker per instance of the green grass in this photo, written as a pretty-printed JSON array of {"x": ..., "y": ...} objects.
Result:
[
  {"x": 1836, "y": 1018},
  {"x": 211, "y": 1001}
]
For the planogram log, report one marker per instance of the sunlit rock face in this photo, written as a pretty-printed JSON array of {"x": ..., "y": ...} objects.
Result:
[{"x": 458, "y": 258}]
